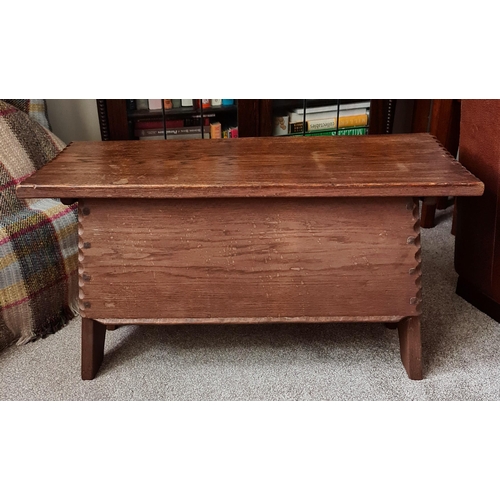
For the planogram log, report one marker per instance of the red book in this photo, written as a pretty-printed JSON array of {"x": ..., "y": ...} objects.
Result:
[{"x": 141, "y": 125}]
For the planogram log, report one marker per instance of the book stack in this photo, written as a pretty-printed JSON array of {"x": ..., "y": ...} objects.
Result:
[
  {"x": 184, "y": 123},
  {"x": 230, "y": 133},
  {"x": 172, "y": 128},
  {"x": 343, "y": 119}
]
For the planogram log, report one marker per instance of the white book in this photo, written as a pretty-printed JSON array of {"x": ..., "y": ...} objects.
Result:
[
  {"x": 294, "y": 117},
  {"x": 333, "y": 107},
  {"x": 154, "y": 103},
  {"x": 186, "y": 102}
]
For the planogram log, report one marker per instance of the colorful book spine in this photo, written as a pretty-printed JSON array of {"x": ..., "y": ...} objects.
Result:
[
  {"x": 227, "y": 102},
  {"x": 330, "y": 123},
  {"x": 205, "y": 103},
  {"x": 151, "y": 124},
  {"x": 341, "y": 131},
  {"x": 216, "y": 130},
  {"x": 167, "y": 103}
]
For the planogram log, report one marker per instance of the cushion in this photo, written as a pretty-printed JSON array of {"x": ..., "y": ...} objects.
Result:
[
  {"x": 38, "y": 238},
  {"x": 36, "y": 109}
]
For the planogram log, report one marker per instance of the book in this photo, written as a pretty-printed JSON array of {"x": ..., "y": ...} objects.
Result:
[
  {"x": 167, "y": 103},
  {"x": 216, "y": 130},
  {"x": 141, "y": 104},
  {"x": 186, "y": 102},
  {"x": 341, "y": 131},
  {"x": 227, "y": 102},
  {"x": 280, "y": 125},
  {"x": 176, "y": 103},
  {"x": 205, "y": 103},
  {"x": 172, "y": 137},
  {"x": 216, "y": 102},
  {"x": 333, "y": 108},
  {"x": 295, "y": 116},
  {"x": 150, "y": 124},
  {"x": 360, "y": 120},
  {"x": 154, "y": 103},
  {"x": 160, "y": 132}
]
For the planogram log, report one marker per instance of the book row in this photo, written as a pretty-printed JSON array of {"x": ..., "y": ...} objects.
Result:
[
  {"x": 329, "y": 118},
  {"x": 210, "y": 131},
  {"x": 158, "y": 104}
]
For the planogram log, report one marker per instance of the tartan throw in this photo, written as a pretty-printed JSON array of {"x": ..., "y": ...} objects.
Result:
[
  {"x": 35, "y": 108},
  {"x": 38, "y": 238}
]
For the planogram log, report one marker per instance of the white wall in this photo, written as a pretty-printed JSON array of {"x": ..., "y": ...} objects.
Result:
[{"x": 74, "y": 119}]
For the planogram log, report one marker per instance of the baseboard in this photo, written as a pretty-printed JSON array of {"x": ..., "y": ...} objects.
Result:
[{"x": 478, "y": 299}]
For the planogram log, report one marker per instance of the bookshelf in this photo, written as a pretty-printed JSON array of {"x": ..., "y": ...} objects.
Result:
[{"x": 120, "y": 119}]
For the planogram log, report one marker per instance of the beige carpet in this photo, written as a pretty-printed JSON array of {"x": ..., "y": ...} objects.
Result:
[{"x": 461, "y": 348}]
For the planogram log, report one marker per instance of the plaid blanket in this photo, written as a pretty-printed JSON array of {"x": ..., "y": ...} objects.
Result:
[{"x": 38, "y": 238}]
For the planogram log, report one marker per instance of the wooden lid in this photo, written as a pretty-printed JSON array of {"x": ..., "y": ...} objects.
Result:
[{"x": 372, "y": 165}]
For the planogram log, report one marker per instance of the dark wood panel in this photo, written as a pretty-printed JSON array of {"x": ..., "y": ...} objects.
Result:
[
  {"x": 248, "y": 117},
  {"x": 477, "y": 251},
  {"x": 382, "y": 113},
  {"x": 250, "y": 258},
  {"x": 377, "y": 165},
  {"x": 116, "y": 110},
  {"x": 421, "y": 115}
]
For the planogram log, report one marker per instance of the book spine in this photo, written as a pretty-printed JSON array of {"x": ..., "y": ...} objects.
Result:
[
  {"x": 360, "y": 120},
  {"x": 141, "y": 103},
  {"x": 205, "y": 103},
  {"x": 216, "y": 102},
  {"x": 342, "y": 122},
  {"x": 154, "y": 103},
  {"x": 148, "y": 124},
  {"x": 341, "y": 131},
  {"x": 176, "y": 103},
  {"x": 167, "y": 103},
  {"x": 216, "y": 130},
  {"x": 333, "y": 108},
  {"x": 186, "y": 102},
  {"x": 171, "y": 131},
  {"x": 227, "y": 102}
]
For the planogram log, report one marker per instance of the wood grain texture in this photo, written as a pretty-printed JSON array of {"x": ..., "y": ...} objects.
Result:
[
  {"x": 249, "y": 260},
  {"x": 477, "y": 250},
  {"x": 378, "y": 165},
  {"x": 411, "y": 347}
]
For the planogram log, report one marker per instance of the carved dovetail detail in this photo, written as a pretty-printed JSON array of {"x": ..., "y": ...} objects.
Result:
[
  {"x": 83, "y": 304},
  {"x": 416, "y": 270}
]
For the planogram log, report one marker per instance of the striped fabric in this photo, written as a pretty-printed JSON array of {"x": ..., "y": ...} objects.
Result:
[
  {"x": 38, "y": 238},
  {"x": 35, "y": 108}
]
